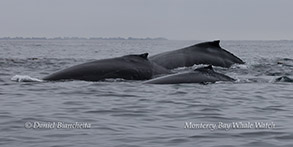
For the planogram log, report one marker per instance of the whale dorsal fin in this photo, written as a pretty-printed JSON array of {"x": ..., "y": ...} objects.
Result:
[
  {"x": 205, "y": 68},
  {"x": 144, "y": 55},
  {"x": 215, "y": 43}
]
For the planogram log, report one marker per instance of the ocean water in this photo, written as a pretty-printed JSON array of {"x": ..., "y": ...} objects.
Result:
[{"x": 253, "y": 111}]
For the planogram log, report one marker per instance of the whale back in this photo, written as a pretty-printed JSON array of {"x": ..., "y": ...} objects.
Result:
[
  {"x": 129, "y": 67},
  {"x": 200, "y": 75},
  {"x": 202, "y": 53}
]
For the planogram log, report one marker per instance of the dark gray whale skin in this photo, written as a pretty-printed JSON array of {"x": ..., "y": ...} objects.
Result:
[
  {"x": 201, "y": 75},
  {"x": 203, "y": 53},
  {"x": 129, "y": 67}
]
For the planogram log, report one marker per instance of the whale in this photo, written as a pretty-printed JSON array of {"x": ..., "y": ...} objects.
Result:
[
  {"x": 283, "y": 79},
  {"x": 209, "y": 53},
  {"x": 129, "y": 67},
  {"x": 200, "y": 75}
]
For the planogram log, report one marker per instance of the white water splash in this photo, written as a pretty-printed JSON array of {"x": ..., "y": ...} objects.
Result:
[{"x": 25, "y": 78}]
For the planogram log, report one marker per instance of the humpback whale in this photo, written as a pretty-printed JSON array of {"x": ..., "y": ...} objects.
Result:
[
  {"x": 209, "y": 53},
  {"x": 129, "y": 67},
  {"x": 200, "y": 75}
]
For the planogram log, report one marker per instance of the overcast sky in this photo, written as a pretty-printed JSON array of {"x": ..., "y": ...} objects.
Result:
[{"x": 173, "y": 19}]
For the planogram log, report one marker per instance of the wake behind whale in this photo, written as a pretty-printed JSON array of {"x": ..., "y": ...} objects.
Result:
[{"x": 25, "y": 78}]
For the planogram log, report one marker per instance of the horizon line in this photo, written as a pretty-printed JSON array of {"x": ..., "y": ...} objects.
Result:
[{"x": 129, "y": 38}]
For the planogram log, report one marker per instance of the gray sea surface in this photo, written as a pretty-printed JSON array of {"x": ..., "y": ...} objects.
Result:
[{"x": 253, "y": 111}]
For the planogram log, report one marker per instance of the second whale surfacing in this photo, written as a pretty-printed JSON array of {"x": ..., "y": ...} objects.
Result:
[
  {"x": 200, "y": 75},
  {"x": 209, "y": 53},
  {"x": 129, "y": 67}
]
